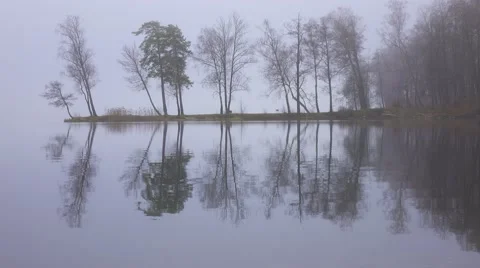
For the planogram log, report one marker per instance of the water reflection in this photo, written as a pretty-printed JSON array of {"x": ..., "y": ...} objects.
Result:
[
  {"x": 166, "y": 186},
  {"x": 75, "y": 190},
  {"x": 438, "y": 170},
  {"x": 56, "y": 145},
  {"x": 136, "y": 163},
  {"x": 307, "y": 171},
  {"x": 223, "y": 186}
]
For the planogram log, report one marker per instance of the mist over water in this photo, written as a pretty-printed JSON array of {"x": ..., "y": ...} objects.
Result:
[{"x": 277, "y": 194}]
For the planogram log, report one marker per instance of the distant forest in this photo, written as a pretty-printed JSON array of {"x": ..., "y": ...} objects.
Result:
[{"x": 433, "y": 61}]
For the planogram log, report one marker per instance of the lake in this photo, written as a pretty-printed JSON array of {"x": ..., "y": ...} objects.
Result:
[{"x": 240, "y": 195}]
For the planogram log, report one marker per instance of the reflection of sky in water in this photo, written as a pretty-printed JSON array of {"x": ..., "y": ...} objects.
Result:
[{"x": 358, "y": 230}]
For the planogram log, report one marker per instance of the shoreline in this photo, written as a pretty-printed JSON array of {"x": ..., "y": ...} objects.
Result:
[{"x": 378, "y": 114}]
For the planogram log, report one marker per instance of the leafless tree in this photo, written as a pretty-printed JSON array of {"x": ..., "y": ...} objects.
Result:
[
  {"x": 208, "y": 55},
  {"x": 296, "y": 31},
  {"x": 224, "y": 51},
  {"x": 348, "y": 41},
  {"x": 54, "y": 93},
  {"x": 137, "y": 75},
  {"x": 330, "y": 65},
  {"x": 79, "y": 59},
  {"x": 313, "y": 52},
  {"x": 437, "y": 63},
  {"x": 394, "y": 36},
  {"x": 278, "y": 67}
]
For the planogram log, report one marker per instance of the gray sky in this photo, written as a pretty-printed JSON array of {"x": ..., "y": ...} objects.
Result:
[{"x": 28, "y": 51}]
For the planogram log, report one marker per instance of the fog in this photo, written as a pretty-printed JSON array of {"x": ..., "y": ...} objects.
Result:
[{"x": 28, "y": 50}]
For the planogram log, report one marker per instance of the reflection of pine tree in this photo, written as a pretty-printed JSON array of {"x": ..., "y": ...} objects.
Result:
[{"x": 166, "y": 184}]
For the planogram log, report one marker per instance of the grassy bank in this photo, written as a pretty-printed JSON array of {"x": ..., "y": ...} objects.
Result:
[{"x": 370, "y": 114}]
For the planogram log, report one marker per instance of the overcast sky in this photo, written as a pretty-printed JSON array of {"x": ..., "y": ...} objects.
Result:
[{"x": 28, "y": 47}]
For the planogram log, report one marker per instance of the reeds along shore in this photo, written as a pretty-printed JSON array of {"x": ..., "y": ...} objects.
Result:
[{"x": 370, "y": 114}]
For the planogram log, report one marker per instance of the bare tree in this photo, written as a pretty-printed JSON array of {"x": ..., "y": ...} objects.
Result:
[
  {"x": 208, "y": 55},
  {"x": 54, "y": 93},
  {"x": 278, "y": 68},
  {"x": 394, "y": 36},
  {"x": 295, "y": 30},
  {"x": 137, "y": 75},
  {"x": 229, "y": 45},
  {"x": 313, "y": 51},
  {"x": 348, "y": 37},
  {"x": 438, "y": 61},
  {"x": 331, "y": 65},
  {"x": 79, "y": 59}
]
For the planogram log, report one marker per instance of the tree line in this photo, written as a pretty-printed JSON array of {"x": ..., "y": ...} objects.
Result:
[{"x": 436, "y": 62}]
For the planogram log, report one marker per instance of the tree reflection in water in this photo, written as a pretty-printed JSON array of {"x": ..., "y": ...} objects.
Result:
[
  {"x": 433, "y": 171},
  {"x": 75, "y": 190}
]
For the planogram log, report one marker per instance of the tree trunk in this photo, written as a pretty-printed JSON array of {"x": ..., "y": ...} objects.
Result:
[
  {"x": 225, "y": 84},
  {"x": 91, "y": 103},
  {"x": 316, "y": 86},
  {"x": 68, "y": 111},
  {"x": 151, "y": 102},
  {"x": 361, "y": 86},
  {"x": 88, "y": 103},
  {"x": 220, "y": 96},
  {"x": 177, "y": 99},
  {"x": 181, "y": 100},
  {"x": 299, "y": 103},
  {"x": 329, "y": 77},
  {"x": 164, "y": 101},
  {"x": 297, "y": 82},
  {"x": 287, "y": 101}
]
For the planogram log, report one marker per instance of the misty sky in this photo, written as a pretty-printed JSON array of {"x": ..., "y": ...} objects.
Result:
[{"x": 28, "y": 50}]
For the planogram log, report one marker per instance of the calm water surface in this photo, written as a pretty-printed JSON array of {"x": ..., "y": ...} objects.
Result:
[{"x": 251, "y": 195}]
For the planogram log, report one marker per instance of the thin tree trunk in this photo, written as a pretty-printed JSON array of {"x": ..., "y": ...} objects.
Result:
[
  {"x": 148, "y": 93},
  {"x": 316, "y": 86},
  {"x": 151, "y": 102},
  {"x": 177, "y": 101},
  {"x": 91, "y": 103},
  {"x": 66, "y": 105},
  {"x": 87, "y": 90},
  {"x": 287, "y": 101},
  {"x": 225, "y": 84},
  {"x": 299, "y": 103},
  {"x": 297, "y": 83},
  {"x": 329, "y": 73},
  {"x": 181, "y": 100},
  {"x": 88, "y": 103},
  {"x": 164, "y": 101},
  {"x": 220, "y": 96},
  {"x": 68, "y": 111}
]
